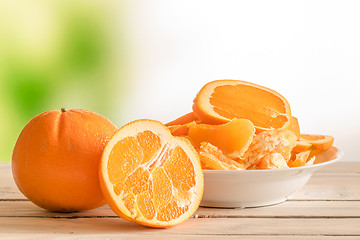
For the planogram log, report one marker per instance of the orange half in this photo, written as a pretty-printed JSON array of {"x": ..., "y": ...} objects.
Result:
[
  {"x": 149, "y": 176},
  {"x": 223, "y": 100}
]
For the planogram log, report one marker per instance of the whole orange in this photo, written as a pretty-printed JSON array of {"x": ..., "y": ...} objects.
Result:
[{"x": 56, "y": 159}]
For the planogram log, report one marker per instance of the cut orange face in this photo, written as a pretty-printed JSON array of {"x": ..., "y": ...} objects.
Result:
[
  {"x": 223, "y": 100},
  {"x": 149, "y": 176}
]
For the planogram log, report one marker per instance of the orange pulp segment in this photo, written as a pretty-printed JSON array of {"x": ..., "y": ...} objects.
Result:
[
  {"x": 270, "y": 143},
  {"x": 233, "y": 137},
  {"x": 150, "y": 177},
  {"x": 212, "y": 158},
  {"x": 300, "y": 159},
  {"x": 223, "y": 100}
]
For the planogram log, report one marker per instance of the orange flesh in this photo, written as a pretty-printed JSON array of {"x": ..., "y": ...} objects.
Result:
[
  {"x": 158, "y": 180},
  {"x": 232, "y": 101}
]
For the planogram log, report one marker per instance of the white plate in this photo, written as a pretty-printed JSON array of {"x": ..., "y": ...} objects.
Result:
[{"x": 255, "y": 188}]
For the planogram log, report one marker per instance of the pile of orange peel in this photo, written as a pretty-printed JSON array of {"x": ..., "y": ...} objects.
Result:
[{"x": 238, "y": 125}]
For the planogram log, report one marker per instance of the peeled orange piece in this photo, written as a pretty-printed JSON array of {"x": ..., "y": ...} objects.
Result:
[
  {"x": 213, "y": 158},
  {"x": 233, "y": 137},
  {"x": 150, "y": 177},
  {"x": 318, "y": 142},
  {"x": 223, "y": 100}
]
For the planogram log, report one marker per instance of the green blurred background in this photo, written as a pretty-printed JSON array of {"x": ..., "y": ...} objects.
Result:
[{"x": 57, "y": 54}]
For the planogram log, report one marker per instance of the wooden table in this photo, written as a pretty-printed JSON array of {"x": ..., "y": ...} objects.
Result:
[{"x": 327, "y": 207}]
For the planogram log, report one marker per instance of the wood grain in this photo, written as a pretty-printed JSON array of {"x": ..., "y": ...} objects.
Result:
[
  {"x": 35, "y": 236},
  {"x": 193, "y": 226},
  {"x": 326, "y": 208},
  {"x": 289, "y": 209}
]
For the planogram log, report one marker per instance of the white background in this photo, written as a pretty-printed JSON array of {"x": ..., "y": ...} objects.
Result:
[{"x": 309, "y": 51}]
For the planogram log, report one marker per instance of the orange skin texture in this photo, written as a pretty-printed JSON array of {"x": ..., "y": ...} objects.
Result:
[
  {"x": 185, "y": 119},
  {"x": 109, "y": 195},
  {"x": 235, "y": 135},
  {"x": 56, "y": 159},
  {"x": 202, "y": 107},
  {"x": 179, "y": 130},
  {"x": 295, "y": 126}
]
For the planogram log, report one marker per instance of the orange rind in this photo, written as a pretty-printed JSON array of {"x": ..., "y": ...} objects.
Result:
[
  {"x": 149, "y": 176},
  {"x": 221, "y": 101}
]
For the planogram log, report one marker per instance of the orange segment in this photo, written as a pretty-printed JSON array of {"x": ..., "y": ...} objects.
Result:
[
  {"x": 272, "y": 161},
  {"x": 212, "y": 158},
  {"x": 222, "y": 100},
  {"x": 268, "y": 143},
  {"x": 149, "y": 176},
  {"x": 300, "y": 159},
  {"x": 318, "y": 142},
  {"x": 233, "y": 137}
]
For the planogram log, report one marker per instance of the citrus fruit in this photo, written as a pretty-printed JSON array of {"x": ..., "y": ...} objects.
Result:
[
  {"x": 181, "y": 125},
  {"x": 233, "y": 137},
  {"x": 181, "y": 129},
  {"x": 223, "y": 100},
  {"x": 149, "y": 176},
  {"x": 187, "y": 118},
  {"x": 295, "y": 126},
  {"x": 301, "y": 146},
  {"x": 213, "y": 158},
  {"x": 56, "y": 159},
  {"x": 318, "y": 142},
  {"x": 300, "y": 159},
  {"x": 268, "y": 143},
  {"x": 272, "y": 161}
]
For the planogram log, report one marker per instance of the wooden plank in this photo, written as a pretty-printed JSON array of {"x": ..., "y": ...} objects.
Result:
[
  {"x": 167, "y": 237},
  {"x": 334, "y": 186},
  {"x": 289, "y": 209},
  {"x": 8, "y": 188},
  {"x": 194, "y": 226},
  {"x": 341, "y": 167}
]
